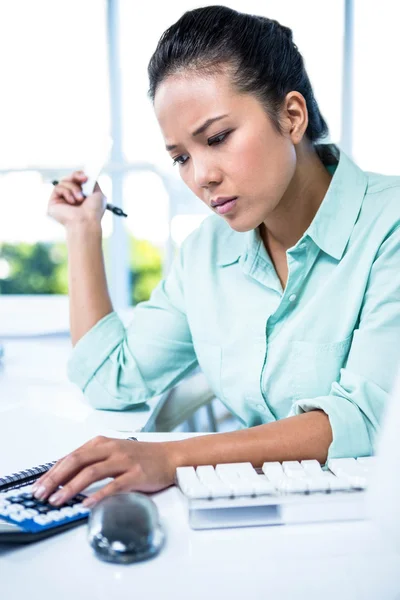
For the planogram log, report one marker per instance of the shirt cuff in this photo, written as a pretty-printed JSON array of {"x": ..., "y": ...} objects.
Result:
[
  {"x": 94, "y": 348},
  {"x": 349, "y": 430}
]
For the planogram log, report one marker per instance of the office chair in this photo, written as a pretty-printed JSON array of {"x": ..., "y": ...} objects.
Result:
[{"x": 183, "y": 402}]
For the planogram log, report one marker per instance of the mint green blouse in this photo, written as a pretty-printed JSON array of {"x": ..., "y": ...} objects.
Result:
[{"x": 329, "y": 341}]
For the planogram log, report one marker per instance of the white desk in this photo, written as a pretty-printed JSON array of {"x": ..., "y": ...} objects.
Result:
[
  {"x": 33, "y": 375},
  {"x": 40, "y": 421}
]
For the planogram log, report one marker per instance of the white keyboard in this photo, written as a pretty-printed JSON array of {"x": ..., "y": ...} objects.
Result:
[{"x": 237, "y": 495}]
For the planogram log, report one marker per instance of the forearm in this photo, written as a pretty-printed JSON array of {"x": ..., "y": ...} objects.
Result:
[
  {"x": 88, "y": 292},
  {"x": 304, "y": 436}
]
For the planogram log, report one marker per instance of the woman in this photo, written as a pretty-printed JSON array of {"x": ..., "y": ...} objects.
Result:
[{"x": 288, "y": 296}]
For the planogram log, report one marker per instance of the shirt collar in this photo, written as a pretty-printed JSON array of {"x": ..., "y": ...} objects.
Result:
[
  {"x": 332, "y": 225},
  {"x": 237, "y": 245}
]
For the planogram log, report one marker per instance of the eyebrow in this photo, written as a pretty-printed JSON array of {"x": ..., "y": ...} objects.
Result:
[{"x": 201, "y": 129}]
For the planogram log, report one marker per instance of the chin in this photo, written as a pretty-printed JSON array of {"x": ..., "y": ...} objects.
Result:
[{"x": 241, "y": 225}]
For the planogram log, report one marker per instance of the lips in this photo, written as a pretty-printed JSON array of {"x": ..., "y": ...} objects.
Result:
[
  {"x": 220, "y": 201},
  {"x": 227, "y": 206}
]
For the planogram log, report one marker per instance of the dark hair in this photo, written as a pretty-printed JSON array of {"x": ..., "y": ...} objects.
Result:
[{"x": 263, "y": 58}]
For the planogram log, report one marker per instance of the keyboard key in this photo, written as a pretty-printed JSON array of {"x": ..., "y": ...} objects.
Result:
[
  {"x": 259, "y": 483},
  {"x": 190, "y": 483},
  {"x": 349, "y": 469},
  {"x": 312, "y": 468},
  {"x": 292, "y": 485},
  {"x": 274, "y": 472},
  {"x": 230, "y": 475},
  {"x": 338, "y": 484},
  {"x": 367, "y": 462},
  {"x": 292, "y": 468},
  {"x": 209, "y": 478},
  {"x": 317, "y": 484}
]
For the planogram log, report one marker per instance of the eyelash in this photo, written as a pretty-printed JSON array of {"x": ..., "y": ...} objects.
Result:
[{"x": 211, "y": 141}]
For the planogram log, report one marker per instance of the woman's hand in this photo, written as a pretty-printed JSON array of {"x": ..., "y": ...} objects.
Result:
[
  {"x": 139, "y": 466},
  {"x": 68, "y": 205}
]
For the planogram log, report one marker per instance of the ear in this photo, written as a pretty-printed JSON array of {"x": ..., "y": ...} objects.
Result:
[{"x": 295, "y": 116}]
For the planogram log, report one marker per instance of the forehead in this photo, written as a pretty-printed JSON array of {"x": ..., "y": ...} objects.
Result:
[{"x": 184, "y": 100}]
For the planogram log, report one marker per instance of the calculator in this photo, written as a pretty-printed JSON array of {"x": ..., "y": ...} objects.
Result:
[{"x": 24, "y": 519}]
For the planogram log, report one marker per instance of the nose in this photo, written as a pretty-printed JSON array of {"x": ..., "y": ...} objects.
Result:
[{"x": 206, "y": 173}]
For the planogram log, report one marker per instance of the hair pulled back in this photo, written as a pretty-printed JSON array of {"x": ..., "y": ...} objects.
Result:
[{"x": 260, "y": 53}]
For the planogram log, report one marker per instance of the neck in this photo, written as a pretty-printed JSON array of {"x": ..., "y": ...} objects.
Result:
[{"x": 300, "y": 203}]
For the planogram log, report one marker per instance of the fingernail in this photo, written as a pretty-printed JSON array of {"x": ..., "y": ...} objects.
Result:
[
  {"x": 89, "y": 502},
  {"x": 40, "y": 492},
  {"x": 79, "y": 196},
  {"x": 56, "y": 498}
]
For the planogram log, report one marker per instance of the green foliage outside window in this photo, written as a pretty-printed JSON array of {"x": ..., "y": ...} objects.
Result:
[{"x": 42, "y": 268}]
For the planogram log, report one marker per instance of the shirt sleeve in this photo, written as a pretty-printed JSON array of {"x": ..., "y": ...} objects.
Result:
[
  {"x": 356, "y": 402},
  {"x": 118, "y": 367}
]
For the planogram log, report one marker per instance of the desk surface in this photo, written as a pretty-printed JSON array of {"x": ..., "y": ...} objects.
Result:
[
  {"x": 33, "y": 376},
  {"x": 42, "y": 419}
]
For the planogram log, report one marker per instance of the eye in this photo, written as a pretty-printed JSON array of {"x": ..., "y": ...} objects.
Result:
[
  {"x": 218, "y": 139},
  {"x": 180, "y": 159}
]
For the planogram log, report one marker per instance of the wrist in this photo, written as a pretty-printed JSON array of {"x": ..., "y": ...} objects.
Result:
[
  {"x": 174, "y": 456},
  {"x": 84, "y": 228}
]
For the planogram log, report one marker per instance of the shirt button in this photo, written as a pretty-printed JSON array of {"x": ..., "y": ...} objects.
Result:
[
  {"x": 261, "y": 407},
  {"x": 292, "y": 298},
  {"x": 302, "y": 245}
]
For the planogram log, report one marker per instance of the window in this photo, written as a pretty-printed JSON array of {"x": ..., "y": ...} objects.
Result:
[
  {"x": 56, "y": 108},
  {"x": 376, "y": 86}
]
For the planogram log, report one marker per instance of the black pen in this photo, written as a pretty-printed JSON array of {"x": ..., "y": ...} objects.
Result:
[{"x": 115, "y": 209}]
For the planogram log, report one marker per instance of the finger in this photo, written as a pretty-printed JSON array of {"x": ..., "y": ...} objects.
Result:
[
  {"x": 123, "y": 483},
  {"x": 73, "y": 187},
  {"x": 61, "y": 191},
  {"x": 92, "y": 452},
  {"x": 85, "y": 477}
]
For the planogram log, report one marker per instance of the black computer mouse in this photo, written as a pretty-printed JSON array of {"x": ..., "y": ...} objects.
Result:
[{"x": 125, "y": 528}]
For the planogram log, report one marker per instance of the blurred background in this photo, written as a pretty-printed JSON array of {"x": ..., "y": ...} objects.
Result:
[{"x": 75, "y": 71}]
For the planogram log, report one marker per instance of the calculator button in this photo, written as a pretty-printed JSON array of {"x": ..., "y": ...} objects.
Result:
[
  {"x": 14, "y": 499},
  {"x": 30, "y": 512},
  {"x": 27, "y": 496},
  {"x": 18, "y": 517},
  {"x": 80, "y": 509},
  {"x": 41, "y": 519},
  {"x": 29, "y": 503},
  {"x": 54, "y": 515},
  {"x": 67, "y": 511},
  {"x": 14, "y": 508},
  {"x": 43, "y": 509}
]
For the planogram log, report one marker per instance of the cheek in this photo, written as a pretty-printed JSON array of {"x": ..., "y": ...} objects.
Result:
[{"x": 265, "y": 166}]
